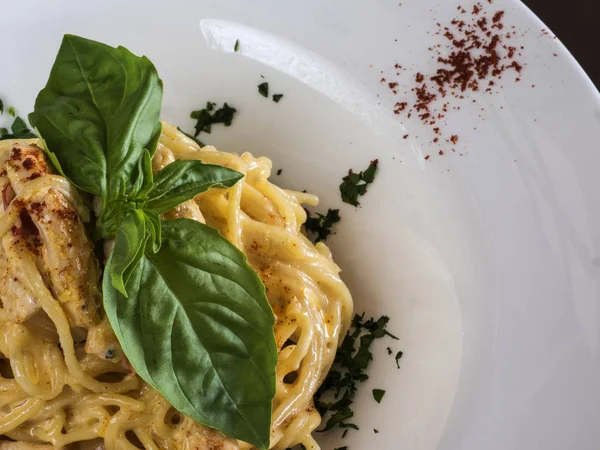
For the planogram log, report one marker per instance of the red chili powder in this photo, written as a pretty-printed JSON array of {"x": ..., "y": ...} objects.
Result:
[{"x": 473, "y": 51}]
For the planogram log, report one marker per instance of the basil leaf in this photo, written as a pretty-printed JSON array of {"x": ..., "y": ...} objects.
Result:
[
  {"x": 98, "y": 112},
  {"x": 129, "y": 248},
  {"x": 198, "y": 328},
  {"x": 144, "y": 176},
  {"x": 153, "y": 226},
  {"x": 184, "y": 179}
]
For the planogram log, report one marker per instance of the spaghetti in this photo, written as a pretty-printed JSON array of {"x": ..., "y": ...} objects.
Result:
[{"x": 64, "y": 380}]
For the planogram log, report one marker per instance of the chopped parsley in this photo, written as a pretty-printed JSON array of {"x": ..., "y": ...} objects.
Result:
[
  {"x": 208, "y": 116},
  {"x": 1, "y": 106},
  {"x": 18, "y": 130},
  {"x": 279, "y": 171},
  {"x": 355, "y": 185},
  {"x": 389, "y": 350},
  {"x": 236, "y": 47},
  {"x": 341, "y": 448},
  {"x": 11, "y": 111},
  {"x": 263, "y": 89},
  {"x": 378, "y": 394},
  {"x": 397, "y": 358},
  {"x": 320, "y": 225},
  {"x": 277, "y": 97},
  {"x": 335, "y": 396},
  {"x": 375, "y": 430}
]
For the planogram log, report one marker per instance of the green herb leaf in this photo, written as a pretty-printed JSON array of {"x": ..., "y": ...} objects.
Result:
[
  {"x": 97, "y": 114},
  {"x": 205, "y": 117},
  {"x": 129, "y": 248},
  {"x": 338, "y": 418},
  {"x": 263, "y": 89},
  {"x": 153, "y": 225},
  {"x": 184, "y": 179},
  {"x": 1, "y": 106},
  {"x": 320, "y": 224},
  {"x": 348, "y": 372},
  {"x": 11, "y": 111},
  {"x": 378, "y": 395},
  {"x": 277, "y": 97},
  {"x": 19, "y": 130},
  {"x": 398, "y": 356},
  {"x": 236, "y": 47},
  {"x": 355, "y": 185},
  {"x": 198, "y": 328}
]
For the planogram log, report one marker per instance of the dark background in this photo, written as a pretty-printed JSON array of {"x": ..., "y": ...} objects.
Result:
[{"x": 577, "y": 24}]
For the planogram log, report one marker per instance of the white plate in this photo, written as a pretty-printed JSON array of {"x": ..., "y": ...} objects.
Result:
[{"x": 487, "y": 263}]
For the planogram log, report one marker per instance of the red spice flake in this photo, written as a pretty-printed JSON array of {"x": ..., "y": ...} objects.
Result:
[
  {"x": 392, "y": 85},
  {"x": 405, "y": 136},
  {"x": 497, "y": 20},
  {"x": 427, "y": 157},
  {"x": 399, "y": 107},
  {"x": 472, "y": 55},
  {"x": 515, "y": 65},
  {"x": 441, "y": 153},
  {"x": 436, "y": 140},
  {"x": 382, "y": 80}
]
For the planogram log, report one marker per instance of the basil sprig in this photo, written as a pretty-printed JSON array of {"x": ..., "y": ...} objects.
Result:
[{"x": 190, "y": 313}]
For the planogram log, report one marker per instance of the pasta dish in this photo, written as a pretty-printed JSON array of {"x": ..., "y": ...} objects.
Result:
[{"x": 65, "y": 380}]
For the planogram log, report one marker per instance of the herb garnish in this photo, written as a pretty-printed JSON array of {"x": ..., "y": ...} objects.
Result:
[
  {"x": 208, "y": 116},
  {"x": 336, "y": 395},
  {"x": 341, "y": 448},
  {"x": 263, "y": 89},
  {"x": 236, "y": 47},
  {"x": 320, "y": 224},
  {"x": 279, "y": 171},
  {"x": 18, "y": 129},
  {"x": 375, "y": 430},
  {"x": 277, "y": 97},
  {"x": 397, "y": 358},
  {"x": 163, "y": 277},
  {"x": 355, "y": 185},
  {"x": 378, "y": 394}
]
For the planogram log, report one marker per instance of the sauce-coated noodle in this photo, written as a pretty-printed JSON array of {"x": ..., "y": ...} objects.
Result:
[{"x": 63, "y": 378}]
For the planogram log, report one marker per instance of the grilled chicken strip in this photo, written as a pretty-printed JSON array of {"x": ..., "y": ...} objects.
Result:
[{"x": 49, "y": 228}]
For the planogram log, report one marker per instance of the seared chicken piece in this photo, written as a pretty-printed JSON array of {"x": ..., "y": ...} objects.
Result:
[
  {"x": 51, "y": 230},
  {"x": 19, "y": 303}
]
